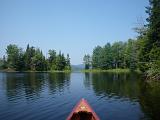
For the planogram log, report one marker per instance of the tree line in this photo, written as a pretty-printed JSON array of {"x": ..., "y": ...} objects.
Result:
[
  {"x": 142, "y": 53},
  {"x": 32, "y": 59},
  {"x": 117, "y": 55}
]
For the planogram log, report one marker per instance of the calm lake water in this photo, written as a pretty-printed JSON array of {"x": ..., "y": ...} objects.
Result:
[{"x": 52, "y": 96}]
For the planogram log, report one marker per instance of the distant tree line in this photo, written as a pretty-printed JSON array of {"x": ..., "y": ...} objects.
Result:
[
  {"x": 118, "y": 55},
  {"x": 32, "y": 59},
  {"x": 142, "y": 53}
]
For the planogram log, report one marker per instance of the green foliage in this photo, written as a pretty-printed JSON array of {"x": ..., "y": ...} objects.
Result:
[
  {"x": 20, "y": 64},
  {"x": 3, "y": 63},
  {"x": 149, "y": 55},
  {"x": 119, "y": 55},
  {"x": 95, "y": 57},
  {"x": 38, "y": 61},
  {"x": 142, "y": 53},
  {"x": 87, "y": 61},
  {"x": 68, "y": 65},
  {"x": 118, "y": 49},
  {"x": 15, "y": 57},
  {"x": 107, "y": 60},
  {"x": 60, "y": 62},
  {"x": 28, "y": 57},
  {"x": 154, "y": 72},
  {"x": 33, "y": 60},
  {"x": 12, "y": 52},
  {"x": 132, "y": 54}
]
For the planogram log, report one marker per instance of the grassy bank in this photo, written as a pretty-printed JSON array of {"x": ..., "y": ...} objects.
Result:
[
  {"x": 83, "y": 71},
  {"x": 57, "y": 71},
  {"x": 53, "y": 71},
  {"x": 111, "y": 70}
]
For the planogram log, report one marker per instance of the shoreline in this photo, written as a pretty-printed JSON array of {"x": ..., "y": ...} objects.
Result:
[
  {"x": 110, "y": 71},
  {"x": 13, "y": 71},
  {"x": 81, "y": 71}
]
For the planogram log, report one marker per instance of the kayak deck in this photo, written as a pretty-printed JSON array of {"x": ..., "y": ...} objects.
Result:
[{"x": 83, "y": 111}]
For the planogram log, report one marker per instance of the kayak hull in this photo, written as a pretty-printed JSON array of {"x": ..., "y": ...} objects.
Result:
[{"x": 82, "y": 110}]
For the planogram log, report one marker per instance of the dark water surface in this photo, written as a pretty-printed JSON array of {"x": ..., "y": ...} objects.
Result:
[{"x": 51, "y": 96}]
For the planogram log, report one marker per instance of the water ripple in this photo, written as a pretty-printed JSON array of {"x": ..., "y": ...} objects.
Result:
[{"x": 52, "y": 96}]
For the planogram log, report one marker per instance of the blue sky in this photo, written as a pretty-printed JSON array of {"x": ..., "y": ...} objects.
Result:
[{"x": 72, "y": 26}]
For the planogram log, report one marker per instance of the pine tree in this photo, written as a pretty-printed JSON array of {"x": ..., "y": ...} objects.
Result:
[
  {"x": 87, "y": 61},
  {"x": 52, "y": 60},
  {"x": 96, "y": 62},
  {"x": 12, "y": 53},
  {"x": 152, "y": 44},
  {"x": 68, "y": 64}
]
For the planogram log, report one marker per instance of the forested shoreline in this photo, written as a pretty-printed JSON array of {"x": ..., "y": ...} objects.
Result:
[
  {"x": 142, "y": 53},
  {"x": 32, "y": 59}
]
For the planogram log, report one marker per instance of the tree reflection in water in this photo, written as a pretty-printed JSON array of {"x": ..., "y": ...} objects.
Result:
[
  {"x": 127, "y": 86},
  {"x": 150, "y": 99},
  {"x": 32, "y": 85},
  {"x": 115, "y": 85}
]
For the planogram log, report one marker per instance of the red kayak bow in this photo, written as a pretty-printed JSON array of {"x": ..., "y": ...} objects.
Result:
[{"x": 83, "y": 111}]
